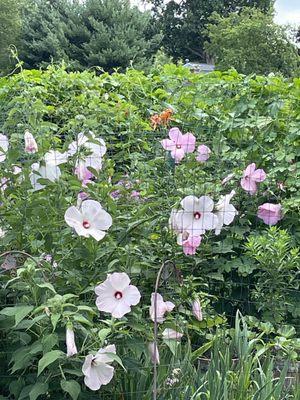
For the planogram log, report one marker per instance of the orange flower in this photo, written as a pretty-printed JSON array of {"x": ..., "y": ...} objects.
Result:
[
  {"x": 155, "y": 121},
  {"x": 165, "y": 116},
  {"x": 161, "y": 119}
]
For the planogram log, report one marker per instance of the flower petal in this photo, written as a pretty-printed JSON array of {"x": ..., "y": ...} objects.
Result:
[
  {"x": 188, "y": 142},
  {"x": 168, "y": 144},
  {"x": 73, "y": 217},
  {"x": 119, "y": 281},
  {"x": 131, "y": 295},
  {"x": 175, "y": 135}
]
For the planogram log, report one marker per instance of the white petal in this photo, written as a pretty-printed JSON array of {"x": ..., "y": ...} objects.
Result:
[
  {"x": 103, "y": 357},
  {"x": 73, "y": 217},
  {"x": 131, "y": 295},
  {"x": 190, "y": 203},
  {"x": 205, "y": 204},
  {"x": 119, "y": 281},
  {"x": 96, "y": 233},
  {"x": 104, "y": 373},
  {"x": 120, "y": 309}
]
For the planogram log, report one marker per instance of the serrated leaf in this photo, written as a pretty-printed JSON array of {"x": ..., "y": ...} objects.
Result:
[
  {"x": 38, "y": 389},
  {"x": 48, "y": 359},
  {"x": 71, "y": 387}
]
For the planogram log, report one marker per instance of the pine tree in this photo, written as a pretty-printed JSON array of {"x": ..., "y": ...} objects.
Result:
[
  {"x": 118, "y": 34},
  {"x": 10, "y": 24}
]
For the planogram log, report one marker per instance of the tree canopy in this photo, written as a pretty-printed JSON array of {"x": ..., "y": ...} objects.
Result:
[
  {"x": 250, "y": 42},
  {"x": 104, "y": 33},
  {"x": 183, "y": 23}
]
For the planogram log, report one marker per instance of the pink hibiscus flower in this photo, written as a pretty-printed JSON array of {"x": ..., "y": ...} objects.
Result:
[
  {"x": 270, "y": 213},
  {"x": 250, "y": 178},
  {"x": 179, "y": 144}
]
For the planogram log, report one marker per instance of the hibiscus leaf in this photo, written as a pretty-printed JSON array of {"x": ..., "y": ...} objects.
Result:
[
  {"x": 71, "y": 387},
  {"x": 116, "y": 358},
  {"x": 19, "y": 312},
  {"x": 38, "y": 389},
  {"x": 48, "y": 359},
  {"x": 47, "y": 285}
]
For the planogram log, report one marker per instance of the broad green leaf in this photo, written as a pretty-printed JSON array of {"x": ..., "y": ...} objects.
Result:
[
  {"x": 38, "y": 389},
  {"x": 48, "y": 359},
  {"x": 19, "y": 312},
  {"x": 71, "y": 387}
]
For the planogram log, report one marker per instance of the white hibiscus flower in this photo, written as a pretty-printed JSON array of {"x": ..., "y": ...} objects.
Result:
[{"x": 89, "y": 220}]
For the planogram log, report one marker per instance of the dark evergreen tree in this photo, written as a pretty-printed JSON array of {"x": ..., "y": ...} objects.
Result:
[
  {"x": 10, "y": 24},
  {"x": 43, "y": 37},
  {"x": 95, "y": 33},
  {"x": 119, "y": 34},
  {"x": 183, "y": 23}
]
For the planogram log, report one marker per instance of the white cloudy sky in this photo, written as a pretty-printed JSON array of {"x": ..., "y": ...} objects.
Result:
[{"x": 287, "y": 11}]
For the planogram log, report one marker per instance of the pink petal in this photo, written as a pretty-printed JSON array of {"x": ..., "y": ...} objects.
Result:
[
  {"x": 177, "y": 154},
  {"x": 259, "y": 175},
  {"x": 188, "y": 142},
  {"x": 131, "y": 295},
  {"x": 168, "y": 144},
  {"x": 249, "y": 170},
  {"x": 175, "y": 135},
  {"x": 249, "y": 185}
]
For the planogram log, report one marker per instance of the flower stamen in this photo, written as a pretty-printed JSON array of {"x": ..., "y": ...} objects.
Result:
[
  {"x": 86, "y": 224},
  {"x": 118, "y": 295},
  {"x": 197, "y": 215}
]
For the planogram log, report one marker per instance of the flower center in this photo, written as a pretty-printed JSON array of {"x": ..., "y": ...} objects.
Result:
[
  {"x": 118, "y": 295},
  {"x": 197, "y": 215},
  {"x": 178, "y": 146},
  {"x": 86, "y": 224}
]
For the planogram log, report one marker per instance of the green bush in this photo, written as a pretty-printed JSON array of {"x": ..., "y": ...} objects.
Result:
[{"x": 243, "y": 119}]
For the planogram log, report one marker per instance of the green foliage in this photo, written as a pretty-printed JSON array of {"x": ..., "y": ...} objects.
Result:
[
  {"x": 106, "y": 34},
  {"x": 251, "y": 43},
  {"x": 243, "y": 120},
  {"x": 183, "y": 23},
  {"x": 10, "y": 24},
  {"x": 276, "y": 291}
]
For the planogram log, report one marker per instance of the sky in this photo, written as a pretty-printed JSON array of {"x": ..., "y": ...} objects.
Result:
[{"x": 287, "y": 11}]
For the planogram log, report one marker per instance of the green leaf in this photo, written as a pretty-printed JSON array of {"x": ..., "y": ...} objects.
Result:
[
  {"x": 172, "y": 344},
  {"x": 47, "y": 286},
  {"x": 116, "y": 358},
  {"x": 48, "y": 359},
  {"x": 71, "y": 387},
  {"x": 19, "y": 312},
  {"x": 103, "y": 333},
  {"x": 199, "y": 352},
  {"x": 38, "y": 389},
  {"x": 54, "y": 320}
]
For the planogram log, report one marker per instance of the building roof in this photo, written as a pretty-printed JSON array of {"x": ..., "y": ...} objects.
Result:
[{"x": 199, "y": 67}]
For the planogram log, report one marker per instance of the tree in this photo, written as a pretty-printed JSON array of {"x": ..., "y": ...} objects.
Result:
[
  {"x": 119, "y": 34},
  {"x": 251, "y": 42},
  {"x": 44, "y": 29},
  {"x": 10, "y": 23},
  {"x": 183, "y": 23},
  {"x": 104, "y": 33}
]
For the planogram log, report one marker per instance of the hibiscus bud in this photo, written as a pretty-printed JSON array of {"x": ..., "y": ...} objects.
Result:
[
  {"x": 30, "y": 143},
  {"x": 70, "y": 342},
  {"x": 153, "y": 350},
  {"x": 197, "y": 311}
]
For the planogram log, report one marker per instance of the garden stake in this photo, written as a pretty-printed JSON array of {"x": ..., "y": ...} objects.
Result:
[{"x": 178, "y": 276}]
